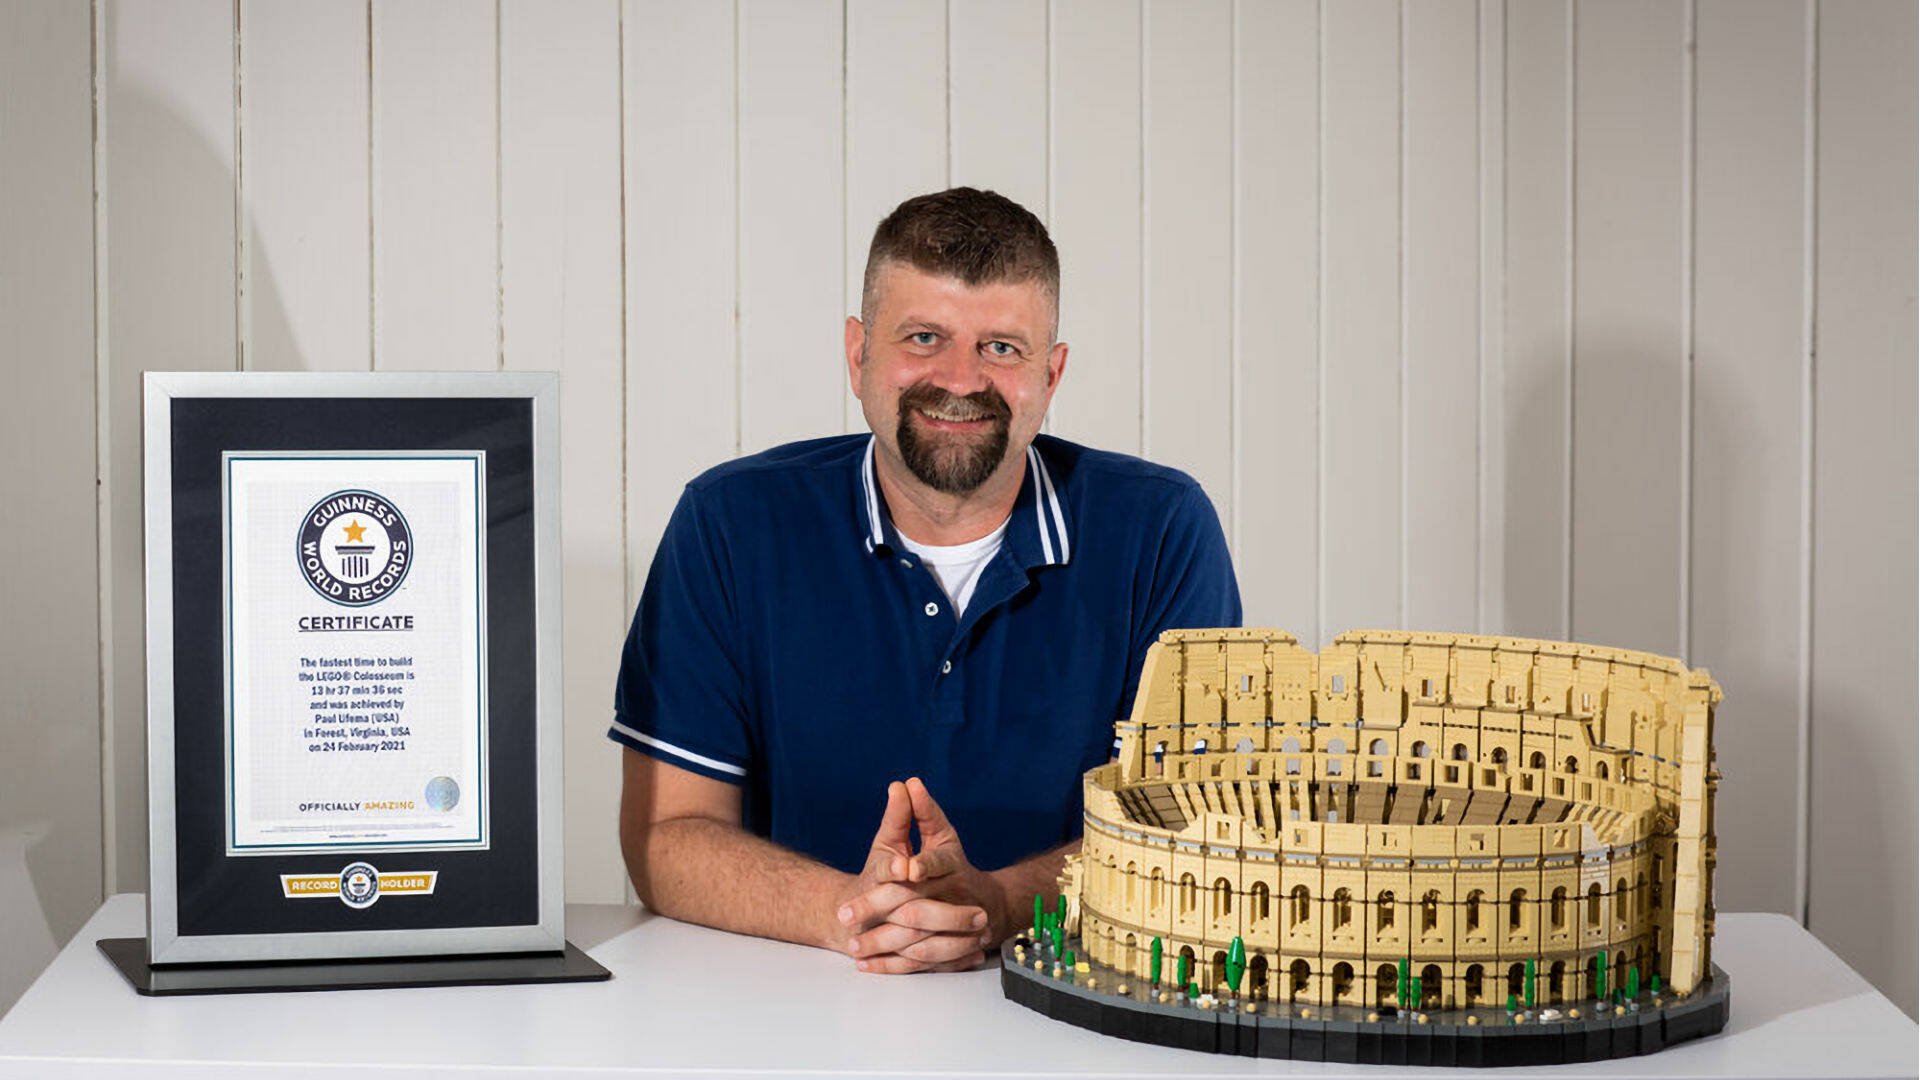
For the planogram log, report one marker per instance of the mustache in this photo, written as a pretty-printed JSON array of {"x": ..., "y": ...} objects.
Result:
[{"x": 987, "y": 402}]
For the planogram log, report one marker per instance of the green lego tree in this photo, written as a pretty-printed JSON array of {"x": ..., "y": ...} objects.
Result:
[
  {"x": 1039, "y": 914},
  {"x": 1183, "y": 969},
  {"x": 1402, "y": 987},
  {"x": 1600, "y": 976},
  {"x": 1513, "y": 1003},
  {"x": 1656, "y": 982},
  {"x": 1154, "y": 967},
  {"x": 1236, "y": 963},
  {"x": 1414, "y": 993},
  {"x": 1633, "y": 981},
  {"x": 1531, "y": 969}
]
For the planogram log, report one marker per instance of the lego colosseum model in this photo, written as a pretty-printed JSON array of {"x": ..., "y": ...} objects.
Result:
[{"x": 1410, "y": 848}]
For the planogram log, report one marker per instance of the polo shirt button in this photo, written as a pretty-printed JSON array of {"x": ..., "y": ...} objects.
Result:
[
  {"x": 933, "y": 608},
  {"x": 946, "y": 667},
  {"x": 908, "y": 563}
]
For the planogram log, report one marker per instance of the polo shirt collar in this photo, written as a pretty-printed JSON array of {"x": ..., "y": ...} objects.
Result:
[{"x": 1037, "y": 531}]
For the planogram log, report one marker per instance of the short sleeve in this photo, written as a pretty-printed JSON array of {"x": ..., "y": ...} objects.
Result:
[
  {"x": 682, "y": 694},
  {"x": 1192, "y": 584}
]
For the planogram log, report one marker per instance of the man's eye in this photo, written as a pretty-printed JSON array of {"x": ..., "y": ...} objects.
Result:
[
  {"x": 925, "y": 338},
  {"x": 1001, "y": 350}
]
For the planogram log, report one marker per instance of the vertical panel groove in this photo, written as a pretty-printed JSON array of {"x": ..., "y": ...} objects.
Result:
[
  {"x": 1480, "y": 320},
  {"x": 1400, "y": 180},
  {"x": 1689, "y": 210},
  {"x": 1046, "y": 126},
  {"x": 1146, "y": 249},
  {"x": 1234, "y": 498},
  {"x": 1803, "y": 794},
  {"x": 846, "y": 164},
  {"x": 373, "y": 203},
  {"x": 947, "y": 60},
  {"x": 1048, "y": 166},
  {"x": 626, "y": 419},
  {"x": 102, "y": 507},
  {"x": 1483, "y": 288},
  {"x": 1320, "y": 332},
  {"x": 739, "y": 247},
  {"x": 499, "y": 208},
  {"x": 1573, "y": 210},
  {"x": 242, "y": 240}
]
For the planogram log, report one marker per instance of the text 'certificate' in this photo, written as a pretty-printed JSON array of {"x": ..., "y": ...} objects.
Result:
[{"x": 355, "y": 629}]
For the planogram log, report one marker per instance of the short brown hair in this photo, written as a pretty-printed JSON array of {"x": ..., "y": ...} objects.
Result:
[{"x": 980, "y": 237}]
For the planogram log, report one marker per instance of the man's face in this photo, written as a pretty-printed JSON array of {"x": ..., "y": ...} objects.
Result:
[{"x": 954, "y": 379}]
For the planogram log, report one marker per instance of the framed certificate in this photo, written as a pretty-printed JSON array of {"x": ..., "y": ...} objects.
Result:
[{"x": 353, "y": 666}]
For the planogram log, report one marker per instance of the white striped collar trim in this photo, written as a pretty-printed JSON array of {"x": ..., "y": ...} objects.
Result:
[
  {"x": 1046, "y": 502},
  {"x": 871, "y": 489},
  {"x": 1048, "y": 518},
  {"x": 688, "y": 755}
]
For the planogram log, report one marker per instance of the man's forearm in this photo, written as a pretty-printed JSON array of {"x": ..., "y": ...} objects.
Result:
[
  {"x": 1037, "y": 875},
  {"x": 709, "y": 872}
]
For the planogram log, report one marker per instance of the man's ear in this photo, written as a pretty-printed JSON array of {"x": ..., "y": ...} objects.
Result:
[
  {"x": 856, "y": 340},
  {"x": 1056, "y": 365}
]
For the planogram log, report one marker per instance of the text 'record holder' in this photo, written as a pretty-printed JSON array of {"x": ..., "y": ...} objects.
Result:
[{"x": 353, "y": 683}]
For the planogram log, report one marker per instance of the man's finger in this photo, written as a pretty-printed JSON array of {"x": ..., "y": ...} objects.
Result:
[
  {"x": 884, "y": 939},
  {"x": 875, "y": 904},
  {"x": 936, "y": 862},
  {"x": 886, "y": 864},
  {"x": 939, "y": 916},
  {"x": 965, "y": 963},
  {"x": 894, "y": 836},
  {"x": 895, "y": 964},
  {"x": 934, "y": 826},
  {"x": 893, "y": 939}
]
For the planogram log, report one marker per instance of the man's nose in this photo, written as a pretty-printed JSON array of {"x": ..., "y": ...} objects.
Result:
[{"x": 960, "y": 369}]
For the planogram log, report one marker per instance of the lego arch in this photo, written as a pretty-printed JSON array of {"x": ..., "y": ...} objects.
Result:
[
  {"x": 1343, "y": 983},
  {"x": 1474, "y": 984},
  {"x": 1386, "y": 985},
  {"x": 1299, "y": 979}
]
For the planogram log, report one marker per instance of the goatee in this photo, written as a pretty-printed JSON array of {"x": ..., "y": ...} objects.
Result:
[{"x": 950, "y": 462}]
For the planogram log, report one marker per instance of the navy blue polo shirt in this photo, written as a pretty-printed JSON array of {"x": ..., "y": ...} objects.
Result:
[{"x": 786, "y": 641}]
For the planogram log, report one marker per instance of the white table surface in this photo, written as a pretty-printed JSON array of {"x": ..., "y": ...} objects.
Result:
[{"x": 686, "y": 1001}]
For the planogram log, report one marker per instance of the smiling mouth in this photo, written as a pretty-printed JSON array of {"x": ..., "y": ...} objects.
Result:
[{"x": 955, "y": 416}]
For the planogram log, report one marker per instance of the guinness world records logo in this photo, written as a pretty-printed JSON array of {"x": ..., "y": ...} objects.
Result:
[
  {"x": 359, "y": 885},
  {"x": 354, "y": 547}
]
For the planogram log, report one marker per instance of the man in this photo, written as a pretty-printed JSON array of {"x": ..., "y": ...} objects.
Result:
[{"x": 953, "y": 600}]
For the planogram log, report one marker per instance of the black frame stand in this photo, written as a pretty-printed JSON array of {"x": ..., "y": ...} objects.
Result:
[{"x": 129, "y": 955}]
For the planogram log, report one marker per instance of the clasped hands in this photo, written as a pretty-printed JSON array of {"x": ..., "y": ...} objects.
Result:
[{"x": 911, "y": 911}]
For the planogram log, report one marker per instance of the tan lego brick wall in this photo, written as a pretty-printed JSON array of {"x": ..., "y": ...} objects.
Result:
[{"x": 1465, "y": 803}]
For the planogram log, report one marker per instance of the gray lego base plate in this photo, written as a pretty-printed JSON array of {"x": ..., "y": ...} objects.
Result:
[{"x": 1348, "y": 1034}]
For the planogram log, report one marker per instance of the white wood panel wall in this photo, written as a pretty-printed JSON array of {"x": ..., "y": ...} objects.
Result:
[{"x": 1562, "y": 318}]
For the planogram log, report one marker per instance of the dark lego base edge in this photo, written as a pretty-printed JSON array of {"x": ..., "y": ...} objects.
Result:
[
  {"x": 1341, "y": 1034},
  {"x": 129, "y": 956}
]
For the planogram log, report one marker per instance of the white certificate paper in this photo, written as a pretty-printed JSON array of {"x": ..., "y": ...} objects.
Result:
[{"x": 355, "y": 631}]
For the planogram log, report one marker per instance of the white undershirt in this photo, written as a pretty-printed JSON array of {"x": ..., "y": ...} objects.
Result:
[{"x": 957, "y": 567}]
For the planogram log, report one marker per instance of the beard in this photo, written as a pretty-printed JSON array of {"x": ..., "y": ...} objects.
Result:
[{"x": 951, "y": 462}]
